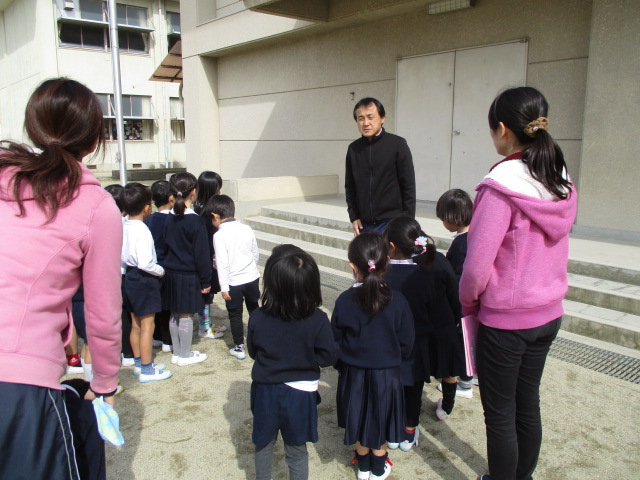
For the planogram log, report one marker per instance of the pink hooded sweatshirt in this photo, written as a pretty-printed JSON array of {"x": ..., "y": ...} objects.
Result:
[
  {"x": 41, "y": 267},
  {"x": 515, "y": 273}
]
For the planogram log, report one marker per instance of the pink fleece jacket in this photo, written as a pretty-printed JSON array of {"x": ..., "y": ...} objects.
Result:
[
  {"x": 515, "y": 273},
  {"x": 42, "y": 265}
]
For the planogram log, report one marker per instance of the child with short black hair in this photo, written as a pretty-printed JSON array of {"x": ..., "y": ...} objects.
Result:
[
  {"x": 115, "y": 190},
  {"x": 289, "y": 338},
  {"x": 140, "y": 284},
  {"x": 237, "y": 264},
  {"x": 163, "y": 200},
  {"x": 454, "y": 209},
  {"x": 374, "y": 328}
]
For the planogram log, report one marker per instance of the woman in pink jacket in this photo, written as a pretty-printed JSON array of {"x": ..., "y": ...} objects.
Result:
[
  {"x": 59, "y": 228},
  {"x": 515, "y": 276}
]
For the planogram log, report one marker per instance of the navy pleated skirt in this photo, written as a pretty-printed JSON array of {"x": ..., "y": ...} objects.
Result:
[
  {"x": 370, "y": 405},
  {"x": 182, "y": 293}
]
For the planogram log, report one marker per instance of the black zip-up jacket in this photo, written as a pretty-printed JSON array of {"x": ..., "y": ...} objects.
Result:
[{"x": 379, "y": 180}]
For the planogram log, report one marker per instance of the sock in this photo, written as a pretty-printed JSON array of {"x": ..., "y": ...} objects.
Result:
[
  {"x": 147, "y": 368},
  {"x": 73, "y": 360},
  {"x": 185, "y": 333},
  {"x": 364, "y": 462},
  {"x": 88, "y": 370},
  {"x": 448, "y": 396},
  {"x": 138, "y": 361},
  {"x": 205, "y": 321},
  {"x": 173, "y": 331},
  {"x": 409, "y": 435},
  {"x": 377, "y": 464}
]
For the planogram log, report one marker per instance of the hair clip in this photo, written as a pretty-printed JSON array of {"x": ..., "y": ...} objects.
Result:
[
  {"x": 178, "y": 194},
  {"x": 372, "y": 265},
  {"x": 422, "y": 241}
]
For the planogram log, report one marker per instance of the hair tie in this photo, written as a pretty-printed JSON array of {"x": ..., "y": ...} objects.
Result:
[
  {"x": 372, "y": 265},
  {"x": 178, "y": 194},
  {"x": 422, "y": 242},
  {"x": 541, "y": 123}
]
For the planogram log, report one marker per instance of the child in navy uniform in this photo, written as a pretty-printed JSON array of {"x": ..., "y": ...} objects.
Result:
[
  {"x": 289, "y": 338},
  {"x": 237, "y": 264},
  {"x": 426, "y": 279},
  {"x": 374, "y": 328},
  {"x": 156, "y": 222},
  {"x": 188, "y": 268},
  {"x": 454, "y": 209},
  {"x": 140, "y": 284}
]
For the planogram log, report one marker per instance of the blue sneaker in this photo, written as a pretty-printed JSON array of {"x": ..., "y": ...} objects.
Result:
[
  {"x": 156, "y": 376},
  {"x": 158, "y": 366}
]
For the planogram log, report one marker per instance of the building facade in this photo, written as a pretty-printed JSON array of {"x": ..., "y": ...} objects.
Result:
[
  {"x": 41, "y": 39},
  {"x": 270, "y": 86}
]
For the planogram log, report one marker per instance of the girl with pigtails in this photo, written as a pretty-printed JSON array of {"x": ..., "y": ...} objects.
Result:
[
  {"x": 515, "y": 276},
  {"x": 373, "y": 326},
  {"x": 427, "y": 280},
  {"x": 188, "y": 268}
]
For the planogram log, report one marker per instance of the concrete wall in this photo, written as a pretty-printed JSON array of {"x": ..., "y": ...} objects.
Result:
[
  {"x": 609, "y": 178},
  {"x": 286, "y": 109},
  {"x": 25, "y": 35}
]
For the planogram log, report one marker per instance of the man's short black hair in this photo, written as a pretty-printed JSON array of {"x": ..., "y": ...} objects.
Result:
[
  {"x": 160, "y": 191},
  {"x": 455, "y": 208},
  {"x": 220, "y": 205},
  {"x": 135, "y": 197},
  {"x": 365, "y": 102}
]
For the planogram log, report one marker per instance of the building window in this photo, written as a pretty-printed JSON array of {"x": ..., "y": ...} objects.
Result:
[
  {"x": 173, "y": 27},
  {"x": 177, "y": 119},
  {"x": 138, "y": 123},
  {"x": 84, "y": 23}
]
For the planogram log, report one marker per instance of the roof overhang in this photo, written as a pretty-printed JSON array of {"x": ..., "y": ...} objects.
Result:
[{"x": 170, "y": 69}]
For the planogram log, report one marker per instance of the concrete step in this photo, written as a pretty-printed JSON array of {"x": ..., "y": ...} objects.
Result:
[
  {"x": 602, "y": 324},
  {"x": 607, "y": 294},
  {"x": 301, "y": 231}
]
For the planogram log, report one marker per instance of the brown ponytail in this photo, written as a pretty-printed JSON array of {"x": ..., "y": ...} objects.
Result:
[{"x": 63, "y": 119}]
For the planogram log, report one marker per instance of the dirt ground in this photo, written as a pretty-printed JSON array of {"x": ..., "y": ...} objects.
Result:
[{"x": 197, "y": 425}]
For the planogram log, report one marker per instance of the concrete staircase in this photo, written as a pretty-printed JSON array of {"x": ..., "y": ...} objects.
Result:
[{"x": 603, "y": 301}]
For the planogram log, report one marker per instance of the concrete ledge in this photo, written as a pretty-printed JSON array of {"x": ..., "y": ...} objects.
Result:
[
  {"x": 137, "y": 174},
  {"x": 271, "y": 188}
]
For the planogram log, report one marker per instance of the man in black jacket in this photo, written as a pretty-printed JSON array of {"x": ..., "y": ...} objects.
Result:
[{"x": 379, "y": 180}]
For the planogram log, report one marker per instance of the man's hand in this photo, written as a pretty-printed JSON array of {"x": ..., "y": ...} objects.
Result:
[
  {"x": 226, "y": 296},
  {"x": 357, "y": 226}
]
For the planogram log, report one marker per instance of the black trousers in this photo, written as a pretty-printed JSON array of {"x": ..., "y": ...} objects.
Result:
[
  {"x": 250, "y": 293},
  {"x": 35, "y": 434},
  {"x": 510, "y": 365}
]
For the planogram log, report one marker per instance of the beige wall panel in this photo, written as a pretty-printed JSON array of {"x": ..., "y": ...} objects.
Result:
[
  {"x": 571, "y": 150},
  {"x": 609, "y": 169},
  {"x": 319, "y": 114},
  {"x": 252, "y": 159},
  {"x": 564, "y": 86},
  {"x": 560, "y": 30}
]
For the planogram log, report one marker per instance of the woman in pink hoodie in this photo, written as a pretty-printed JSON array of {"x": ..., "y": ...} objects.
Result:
[
  {"x": 515, "y": 276},
  {"x": 59, "y": 228}
]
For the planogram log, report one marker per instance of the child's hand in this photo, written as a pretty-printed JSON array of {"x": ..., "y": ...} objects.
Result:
[
  {"x": 226, "y": 296},
  {"x": 205, "y": 290}
]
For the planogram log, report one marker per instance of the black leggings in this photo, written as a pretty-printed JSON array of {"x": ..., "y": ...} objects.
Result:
[{"x": 510, "y": 365}]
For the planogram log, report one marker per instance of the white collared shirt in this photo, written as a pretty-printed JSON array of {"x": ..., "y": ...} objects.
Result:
[{"x": 138, "y": 249}]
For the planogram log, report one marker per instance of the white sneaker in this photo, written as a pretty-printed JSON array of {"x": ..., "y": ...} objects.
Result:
[
  {"x": 385, "y": 474},
  {"x": 174, "y": 358},
  {"x": 440, "y": 413},
  {"x": 364, "y": 475},
  {"x": 166, "y": 348},
  {"x": 407, "y": 445},
  {"x": 218, "y": 328},
  {"x": 210, "y": 334},
  {"x": 159, "y": 366},
  {"x": 156, "y": 376},
  {"x": 238, "y": 352},
  {"x": 128, "y": 362},
  {"x": 461, "y": 390},
  {"x": 73, "y": 369},
  {"x": 196, "y": 357},
  {"x": 393, "y": 445},
  {"x": 475, "y": 380}
]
